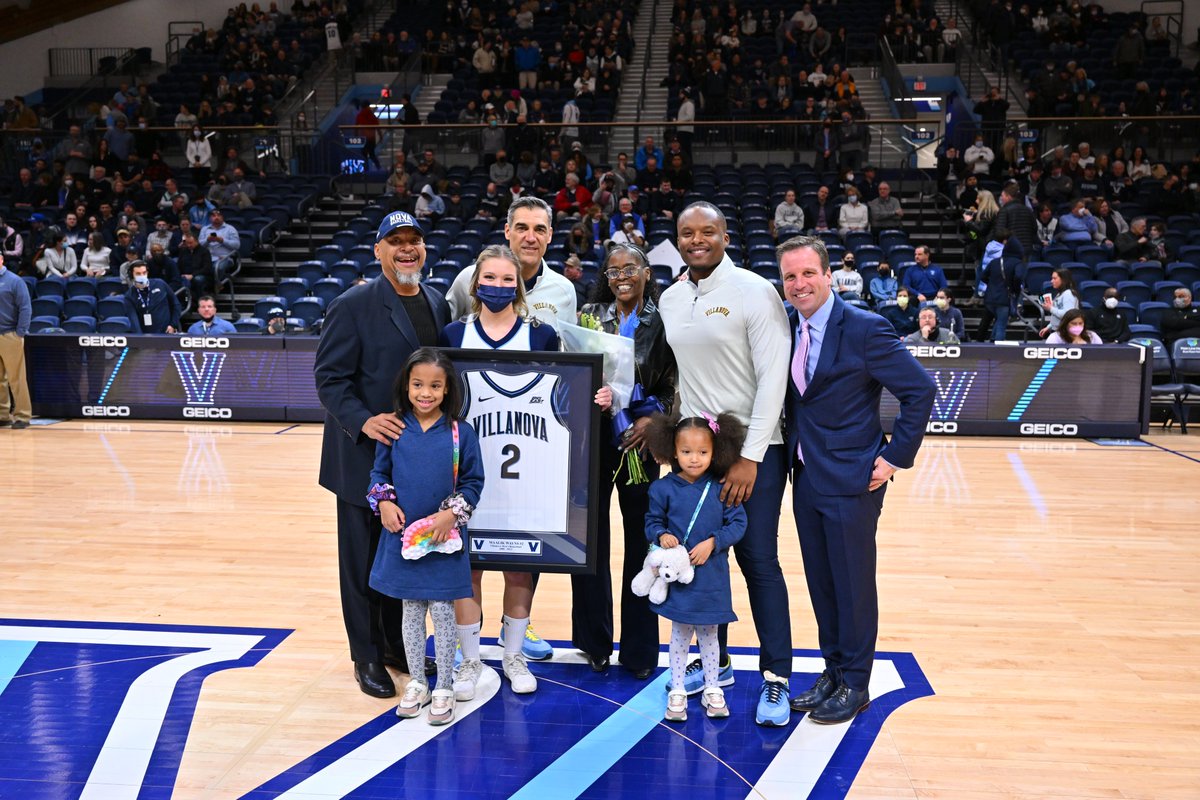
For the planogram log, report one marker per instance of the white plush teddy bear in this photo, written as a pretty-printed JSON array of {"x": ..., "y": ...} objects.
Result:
[{"x": 663, "y": 565}]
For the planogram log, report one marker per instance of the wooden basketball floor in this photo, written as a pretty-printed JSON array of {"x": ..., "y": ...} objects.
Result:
[{"x": 1048, "y": 590}]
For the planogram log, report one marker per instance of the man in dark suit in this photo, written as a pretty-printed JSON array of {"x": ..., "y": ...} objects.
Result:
[
  {"x": 842, "y": 359},
  {"x": 368, "y": 334}
]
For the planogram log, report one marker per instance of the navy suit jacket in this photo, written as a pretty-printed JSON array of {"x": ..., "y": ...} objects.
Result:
[
  {"x": 365, "y": 340},
  {"x": 837, "y": 419}
]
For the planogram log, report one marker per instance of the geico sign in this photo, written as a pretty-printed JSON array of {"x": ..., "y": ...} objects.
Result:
[
  {"x": 103, "y": 341},
  {"x": 1054, "y": 352},
  {"x": 935, "y": 351},
  {"x": 204, "y": 341},
  {"x": 1048, "y": 429},
  {"x": 936, "y": 426},
  {"x": 193, "y": 412},
  {"x": 106, "y": 411}
]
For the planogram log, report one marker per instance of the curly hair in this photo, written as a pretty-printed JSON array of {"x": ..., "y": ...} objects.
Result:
[{"x": 727, "y": 440}]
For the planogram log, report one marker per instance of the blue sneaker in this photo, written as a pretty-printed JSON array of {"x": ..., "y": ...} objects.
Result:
[
  {"x": 773, "y": 708},
  {"x": 534, "y": 647},
  {"x": 693, "y": 677}
]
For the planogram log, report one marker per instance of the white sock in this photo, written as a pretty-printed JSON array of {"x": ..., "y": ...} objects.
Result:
[
  {"x": 514, "y": 635},
  {"x": 468, "y": 638}
]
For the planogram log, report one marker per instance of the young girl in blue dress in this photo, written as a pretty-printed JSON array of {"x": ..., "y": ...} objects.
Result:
[
  {"x": 686, "y": 511},
  {"x": 434, "y": 470}
]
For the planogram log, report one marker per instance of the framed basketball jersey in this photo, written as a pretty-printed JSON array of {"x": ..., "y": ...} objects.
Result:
[{"x": 538, "y": 431}]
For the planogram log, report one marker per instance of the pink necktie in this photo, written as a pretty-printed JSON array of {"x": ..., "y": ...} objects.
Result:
[{"x": 799, "y": 370}]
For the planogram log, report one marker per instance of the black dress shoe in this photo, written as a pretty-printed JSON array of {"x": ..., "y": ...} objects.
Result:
[
  {"x": 373, "y": 679},
  {"x": 842, "y": 706},
  {"x": 598, "y": 664},
  {"x": 643, "y": 673},
  {"x": 401, "y": 664},
  {"x": 819, "y": 693}
]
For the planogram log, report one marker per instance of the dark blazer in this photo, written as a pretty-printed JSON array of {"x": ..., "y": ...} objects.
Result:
[
  {"x": 837, "y": 419},
  {"x": 365, "y": 340}
]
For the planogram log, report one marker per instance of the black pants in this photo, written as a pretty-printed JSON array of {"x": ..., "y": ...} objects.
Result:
[
  {"x": 373, "y": 621},
  {"x": 591, "y": 595}
]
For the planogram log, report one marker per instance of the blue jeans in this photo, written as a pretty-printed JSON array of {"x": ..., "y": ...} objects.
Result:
[{"x": 1000, "y": 326}]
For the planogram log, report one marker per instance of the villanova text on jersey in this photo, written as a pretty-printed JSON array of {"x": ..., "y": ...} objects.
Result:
[{"x": 510, "y": 423}]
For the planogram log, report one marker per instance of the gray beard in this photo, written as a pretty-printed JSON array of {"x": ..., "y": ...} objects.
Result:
[{"x": 406, "y": 278}]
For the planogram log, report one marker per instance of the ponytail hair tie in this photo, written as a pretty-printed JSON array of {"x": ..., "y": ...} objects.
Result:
[{"x": 712, "y": 422}]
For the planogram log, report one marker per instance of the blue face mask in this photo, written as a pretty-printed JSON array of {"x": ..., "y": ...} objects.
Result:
[{"x": 496, "y": 298}]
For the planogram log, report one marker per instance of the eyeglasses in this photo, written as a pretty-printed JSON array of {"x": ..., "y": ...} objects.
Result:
[{"x": 627, "y": 272}]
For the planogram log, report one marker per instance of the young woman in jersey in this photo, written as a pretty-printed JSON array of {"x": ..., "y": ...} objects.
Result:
[
  {"x": 499, "y": 320},
  {"x": 686, "y": 511},
  {"x": 434, "y": 472},
  {"x": 623, "y": 302}
]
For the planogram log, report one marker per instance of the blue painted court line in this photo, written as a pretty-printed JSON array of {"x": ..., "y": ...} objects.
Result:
[
  {"x": 12, "y": 656},
  {"x": 1174, "y": 452},
  {"x": 1028, "y": 484},
  {"x": 591, "y": 757},
  {"x": 1032, "y": 389}
]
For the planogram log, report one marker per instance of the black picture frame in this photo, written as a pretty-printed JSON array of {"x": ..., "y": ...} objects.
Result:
[{"x": 509, "y": 545}]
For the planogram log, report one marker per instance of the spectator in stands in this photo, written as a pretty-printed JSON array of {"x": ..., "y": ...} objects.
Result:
[
  {"x": 626, "y": 214},
  {"x": 150, "y": 304},
  {"x": 885, "y": 210},
  {"x": 650, "y": 176},
  {"x": 1061, "y": 299},
  {"x": 822, "y": 213},
  {"x": 366, "y": 122},
  {"x": 979, "y": 157},
  {"x": 573, "y": 271},
  {"x": 1077, "y": 226},
  {"x": 11, "y": 245},
  {"x": 884, "y": 286},
  {"x": 163, "y": 267},
  {"x": 948, "y": 316},
  {"x": 825, "y": 142},
  {"x": 199, "y": 157},
  {"x": 854, "y": 214},
  {"x": 502, "y": 171},
  {"x": 209, "y": 324},
  {"x": 120, "y": 140},
  {"x": 1057, "y": 187},
  {"x": 161, "y": 236},
  {"x": 903, "y": 314},
  {"x": 572, "y": 199},
  {"x": 1133, "y": 246},
  {"x": 644, "y": 153},
  {"x": 1111, "y": 223},
  {"x": 1182, "y": 320},
  {"x": 75, "y": 152},
  {"x": 993, "y": 113},
  {"x": 1073, "y": 330},
  {"x": 848, "y": 281},
  {"x": 96, "y": 257},
  {"x": 396, "y": 186},
  {"x": 528, "y": 58},
  {"x": 429, "y": 207},
  {"x": 789, "y": 217},
  {"x": 54, "y": 259},
  {"x": 1047, "y": 226},
  {"x": 1158, "y": 240},
  {"x": 195, "y": 265},
  {"x": 924, "y": 278},
  {"x": 851, "y": 141},
  {"x": 1129, "y": 52},
  {"x": 1138, "y": 166},
  {"x": 684, "y": 117},
  {"x": 928, "y": 331},
  {"x": 223, "y": 242},
  {"x": 1108, "y": 321}
]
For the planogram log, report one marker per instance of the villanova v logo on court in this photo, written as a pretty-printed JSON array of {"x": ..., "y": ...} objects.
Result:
[{"x": 99, "y": 710}]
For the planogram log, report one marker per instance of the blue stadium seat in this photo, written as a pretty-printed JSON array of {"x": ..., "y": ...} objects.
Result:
[
  {"x": 112, "y": 306},
  {"x": 1148, "y": 273},
  {"x": 330, "y": 254},
  {"x": 106, "y": 287},
  {"x": 1164, "y": 291},
  {"x": 250, "y": 325},
  {"x": 1112, "y": 272},
  {"x": 309, "y": 309},
  {"x": 81, "y": 306},
  {"x": 81, "y": 287},
  {"x": 39, "y": 324},
  {"x": 261, "y": 307},
  {"x": 51, "y": 287},
  {"x": 1134, "y": 292},
  {"x": 292, "y": 289},
  {"x": 346, "y": 271},
  {"x": 328, "y": 289},
  {"x": 48, "y": 306},
  {"x": 1185, "y": 272},
  {"x": 372, "y": 270},
  {"x": 1151, "y": 313},
  {"x": 312, "y": 271},
  {"x": 80, "y": 324},
  {"x": 362, "y": 254},
  {"x": 115, "y": 325}
]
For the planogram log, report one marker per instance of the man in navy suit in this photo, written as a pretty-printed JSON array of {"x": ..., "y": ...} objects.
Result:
[
  {"x": 842, "y": 359},
  {"x": 368, "y": 334}
]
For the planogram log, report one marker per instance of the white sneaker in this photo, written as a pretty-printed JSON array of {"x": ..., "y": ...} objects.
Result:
[
  {"x": 713, "y": 701},
  {"x": 676, "y": 706},
  {"x": 441, "y": 710},
  {"x": 518, "y": 674},
  {"x": 466, "y": 677},
  {"x": 416, "y": 696}
]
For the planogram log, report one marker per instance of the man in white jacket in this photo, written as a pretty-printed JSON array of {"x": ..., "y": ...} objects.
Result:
[
  {"x": 729, "y": 332},
  {"x": 979, "y": 156}
]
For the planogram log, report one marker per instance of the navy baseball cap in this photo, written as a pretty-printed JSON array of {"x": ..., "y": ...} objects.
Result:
[{"x": 394, "y": 220}]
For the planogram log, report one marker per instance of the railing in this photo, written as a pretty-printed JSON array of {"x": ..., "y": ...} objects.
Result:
[
  {"x": 1172, "y": 11},
  {"x": 179, "y": 32},
  {"x": 641, "y": 105},
  {"x": 894, "y": 79},
  {"x": 88, "y": 61}
]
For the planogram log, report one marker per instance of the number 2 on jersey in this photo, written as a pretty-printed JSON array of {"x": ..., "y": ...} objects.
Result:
[{"x": 514, "y": 455}]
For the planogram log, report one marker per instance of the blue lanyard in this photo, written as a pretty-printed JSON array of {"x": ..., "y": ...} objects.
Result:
[{"x": 696, "y": 512}]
